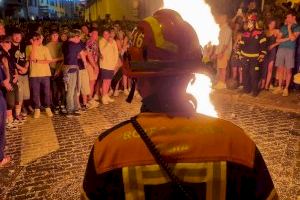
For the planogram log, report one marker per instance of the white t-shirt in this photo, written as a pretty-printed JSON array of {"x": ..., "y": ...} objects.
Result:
[{"x": 110, "y": 54}]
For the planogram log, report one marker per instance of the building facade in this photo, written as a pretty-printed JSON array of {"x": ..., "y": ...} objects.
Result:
[{"x": 120, "y": 9}]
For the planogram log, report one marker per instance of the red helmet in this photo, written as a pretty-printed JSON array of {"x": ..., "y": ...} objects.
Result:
[{"x": 163, "y": 44}]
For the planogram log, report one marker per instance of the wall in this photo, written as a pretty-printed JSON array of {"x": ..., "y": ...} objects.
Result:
[{"x": 116, "y": 8}]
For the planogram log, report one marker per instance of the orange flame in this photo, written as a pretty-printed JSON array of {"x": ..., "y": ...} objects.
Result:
[{"x": 198, "y": 14}]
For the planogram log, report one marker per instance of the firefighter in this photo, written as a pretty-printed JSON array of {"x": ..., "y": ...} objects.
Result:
[
  {"x": 169, "y": 151},
  {"x": 252, "y": 53}
]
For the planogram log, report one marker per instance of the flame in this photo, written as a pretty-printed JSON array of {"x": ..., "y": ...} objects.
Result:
[
  {"x": 198, "y": 14},
  {"x": 200, "y": 88}
]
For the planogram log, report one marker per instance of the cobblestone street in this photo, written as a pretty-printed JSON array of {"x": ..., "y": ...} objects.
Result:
[{"x": 50, "y": 155}]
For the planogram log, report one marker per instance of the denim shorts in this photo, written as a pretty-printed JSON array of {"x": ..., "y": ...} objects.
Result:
[{"x": 107, "y": 74}]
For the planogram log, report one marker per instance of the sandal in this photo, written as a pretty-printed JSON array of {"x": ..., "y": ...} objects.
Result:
[{"x": 5, "y": 161}]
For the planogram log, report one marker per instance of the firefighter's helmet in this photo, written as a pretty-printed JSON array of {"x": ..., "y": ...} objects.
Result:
[{"x": 163, "y": 44}]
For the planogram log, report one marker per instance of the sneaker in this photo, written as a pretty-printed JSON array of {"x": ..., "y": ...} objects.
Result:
[
  {"x": 105, "y": 100},
  {"x": 110, "y": 93},
  {"x": 56, "y": 110},
  {"x": 37, "y": 113},
  {"x": 84, "y": 108},
  {"x": 110, "y": 100},
  {"x": 126, "y": 92},
  {"x": 24, "y": 114},
  {"x": 96, "y": 97},
  {"x": 49, "y": 112},
  {"x": 116, "y": 93},
  {"x": 285, "y": 92},
  {"x": 63, "y": 109},
  {"x": 69, "y": 115},
  {"x": 90, "y": 105},
  {"x": 277, "y": 90},
  {"x": 77, "y": 113}
]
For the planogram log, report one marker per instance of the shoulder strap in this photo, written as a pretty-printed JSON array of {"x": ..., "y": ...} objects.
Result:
[{"x": 158, "y": 157}]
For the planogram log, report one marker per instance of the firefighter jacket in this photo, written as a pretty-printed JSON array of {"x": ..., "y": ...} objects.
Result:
[
  {"x": 253, "y": 44},
  {"x": 214, "y": 158}
]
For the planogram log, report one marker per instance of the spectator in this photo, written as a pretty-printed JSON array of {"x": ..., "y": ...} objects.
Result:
[
  {"x": 4, "y": 160},
  {"x": 12, "y": 93},
  {"x": 17, "y": 51},
  {"x": 2, "y": 28},
  {"x": 285, "y": 58},
  {"x": 72, "y": 50},
  {"x": 64, "y": 35},
  {"x": 84, "y": 33},
  {"x": 57, "y": 84},
  {"x": 122, "y": 43},
  {"x": 39, "y": 73},
  {"x": 223, "y": 51},
  {"x": 93, "y": 53},
  {"x": 84, "y": 84},
  {"x": 235, "y": 63},
  {"x": 108, "y": 63},
  {"x": 271, "y": 34}
]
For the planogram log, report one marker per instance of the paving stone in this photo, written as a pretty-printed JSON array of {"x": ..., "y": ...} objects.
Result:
[{"x": 56, "y": 150}]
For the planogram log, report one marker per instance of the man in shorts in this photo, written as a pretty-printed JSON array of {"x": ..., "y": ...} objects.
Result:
[
  {"x": 17, "y": 51},
  {"x": 108, "y": 63},
  {"x": 285, "y": 58},
  {"x": 223, "y": 51}
]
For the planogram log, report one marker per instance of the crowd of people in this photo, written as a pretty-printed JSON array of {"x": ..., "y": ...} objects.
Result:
[
  {"x": 62, "y": 69},
  {"x": 258, "y": 50}
]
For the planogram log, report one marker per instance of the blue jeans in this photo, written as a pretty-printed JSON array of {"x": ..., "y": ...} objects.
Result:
[
  {"x": 2, "y": 133},
  {"x": 38, "y": 84},
  {"x": 72, "y": 92}
]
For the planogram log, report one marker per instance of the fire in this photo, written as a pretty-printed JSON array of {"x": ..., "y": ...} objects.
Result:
[
  {"x": 198, "y": 14},
  {"x": 200, "y": 88}
]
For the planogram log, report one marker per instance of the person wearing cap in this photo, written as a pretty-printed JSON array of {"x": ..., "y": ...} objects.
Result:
[
  {"x": 73, "y": 51},
  {"x": 12, "y": 94},
  {"x": 252, "y": 51},
  {"x": 168, "y": 151},
  {"x": 39, "y": 73},
  {"x": 18, "y": 52}
]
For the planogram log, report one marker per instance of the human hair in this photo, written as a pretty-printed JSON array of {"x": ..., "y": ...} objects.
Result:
[
  {"x": 291, "y": 12},
  {"x": 35, "y": 35}
]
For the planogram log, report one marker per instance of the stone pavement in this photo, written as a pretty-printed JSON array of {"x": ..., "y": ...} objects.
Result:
[{"x": 50, "y": 155}]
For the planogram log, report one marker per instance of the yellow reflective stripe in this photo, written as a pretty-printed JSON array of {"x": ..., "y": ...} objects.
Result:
[
  {"x": 250, "y": 55},
  {"x": 160, "y": 41},
  {"x": 264, "y": 52},
  {"x": 263, "y": 40}
]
